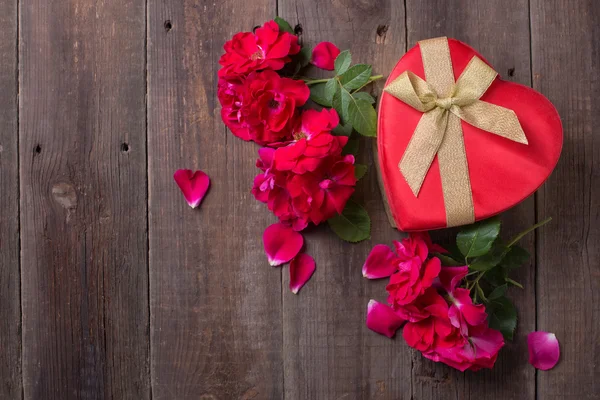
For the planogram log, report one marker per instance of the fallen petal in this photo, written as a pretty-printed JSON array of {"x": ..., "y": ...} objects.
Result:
[
  {"x": 301, "y": 269},
  {"x": 544, "y": 350},
  {"x": 382, "y": 319},
  {"x": 324, "y": 55},
  {"x": 193, "y": 185},
  {"x": 380, "y": 263},
  {"x": 282, "y": 243}
]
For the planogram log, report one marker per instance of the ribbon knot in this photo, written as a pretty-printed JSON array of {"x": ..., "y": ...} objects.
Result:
[{"x": 444, "y": 103}]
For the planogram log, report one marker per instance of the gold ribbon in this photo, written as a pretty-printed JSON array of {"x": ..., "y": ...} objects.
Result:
[{"x": 439, "y": 131}]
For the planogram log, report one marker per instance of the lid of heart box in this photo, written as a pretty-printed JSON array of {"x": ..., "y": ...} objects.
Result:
[{"x": 501, "y": 172}]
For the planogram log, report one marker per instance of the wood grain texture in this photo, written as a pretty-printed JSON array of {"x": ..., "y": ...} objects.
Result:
[
  {"x": 566, "y": 68},
  {"x": 499, "y": 30},
  {"x": 10, "y": 294},
  {"x": 215, "y": 301},
  {"x": 83, "y": 200},
  {"x": 328, "y": 351}
]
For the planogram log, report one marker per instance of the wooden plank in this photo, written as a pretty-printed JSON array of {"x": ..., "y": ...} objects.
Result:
[
  {"x": 83, "y": 200},
  {"x": 565, "y": 60},
  {"x": 329, "y": 352},
  {"x": 10, "y": 296},
  {"x": 215, "y": 302},
  {"x": 499, "y": 30}
]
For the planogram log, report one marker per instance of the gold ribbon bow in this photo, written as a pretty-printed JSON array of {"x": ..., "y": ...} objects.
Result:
[{"x": 444, "y": 103}]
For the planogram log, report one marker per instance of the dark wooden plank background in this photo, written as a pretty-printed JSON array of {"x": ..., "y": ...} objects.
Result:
[{"x": 112, "y": 288}]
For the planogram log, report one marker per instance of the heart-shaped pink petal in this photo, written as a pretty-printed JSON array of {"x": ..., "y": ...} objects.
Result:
[
  {"x": 544, "y": 350},
  {"x": 380, "y": 263},
  {"x": 301, "y": 269},
  {"x": 382, "y": 319},
  {"x": 282, "y": 243},
  {"x": 193, "y": 185}
]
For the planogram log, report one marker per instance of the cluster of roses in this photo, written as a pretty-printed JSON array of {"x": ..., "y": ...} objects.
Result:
[
  {"x": 305, "y": 178},
  {"x": 438, "y": 315}
]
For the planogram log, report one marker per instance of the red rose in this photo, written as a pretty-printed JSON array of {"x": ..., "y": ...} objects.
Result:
[
  {"x": 413, "y": 277},
  {"x": 326, "y": 190},
  {"x": 313, "y": 141},
  {"x": 479, "y": 351},
  {"x": 230, "y": 91},
  {"x": 435, "y": 331},
  {"x": 262, "y": 106},
  {"x": 311, "y": 197},
  {"x": 268, "y": 48}
]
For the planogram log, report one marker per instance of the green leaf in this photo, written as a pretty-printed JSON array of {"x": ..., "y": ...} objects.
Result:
[
  {"x": 331, "y": 86},
  {"x": 502, "y": 315},
  {"x": 353, "y": 224},
  {"x": 341, "y": 101},
  {"x": 351, "y": 147},
  {"x": 490, "y": 259},
  {"x": 360, "y": 170},
  {"x": 363, "y": 117},
  {"x": 498, "y": 292},
  {"x": 447, "y": 260},
  {"x": 356, "y": 76},
  {"x": 318, "y": 95},
  {"x": 342, "y": 130},
  {"x": 477, "y": 239},
  {"x": 516, "y": 257},
  {"x": 455, "y": 253},
  {"x": 302, "y": 59},
  {"x": 496, "y": 276},
  {"x": 342, "y": 62},
  {"x": 284, "y": 26},
  {"x": 364, "y": 96}
]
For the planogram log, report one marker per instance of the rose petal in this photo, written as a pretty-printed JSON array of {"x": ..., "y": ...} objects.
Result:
[
  {"x": 193, "y": 185},
  {"x": 544, "y": 350},
  {"x": 282, "y": 243},
  {"x": 450, "y": 277},
  {"x": 380, "y": 263},
  {"x": 301, "y": 269},
  {"x": 324, "y": 55},
  {"x": 382, "y": 319}
]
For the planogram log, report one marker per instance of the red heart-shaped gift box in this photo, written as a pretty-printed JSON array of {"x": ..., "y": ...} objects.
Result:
[{"x": 502, "y": 172}]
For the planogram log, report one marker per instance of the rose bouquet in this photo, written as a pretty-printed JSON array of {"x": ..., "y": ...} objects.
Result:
[
  {"x": 452, "y": 303},
  {"x": 307, "y": 166}
]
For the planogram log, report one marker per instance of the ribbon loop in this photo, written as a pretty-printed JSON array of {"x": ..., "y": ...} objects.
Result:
[{"x": 444, "y": 103}]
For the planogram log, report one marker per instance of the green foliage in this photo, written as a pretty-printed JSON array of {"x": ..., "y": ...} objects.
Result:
[
  {"x": 502, "y": 315},
  {"x": 447, "y": 260},
  {"x": 351, "y": 147},
  {"x": 342, "y": 130},
  {"x": 477, "y": 239},
  {"x": 363, "y": 117},
  {"x": 515, "y": 257},
  {"x": 356, "y": 76},
  {"x": 319, "y": 95},
  {"x": 341, "y": 100},
  {"x": 490, "y": 261},
  {"x": 360, "y": 170},
  {"x": 364, "y": 96},
  {"x": 284, "y": 26},
  {"x": 342, "y": 62},
  {"x": 353, "y": 224}
]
